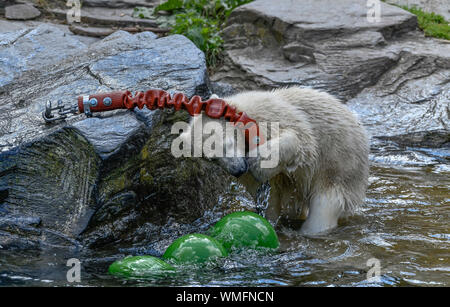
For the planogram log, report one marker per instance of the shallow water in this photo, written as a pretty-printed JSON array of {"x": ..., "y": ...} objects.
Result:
[{"x": 404, "y": 224}]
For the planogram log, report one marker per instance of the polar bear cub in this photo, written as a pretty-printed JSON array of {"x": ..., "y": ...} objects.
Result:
[{"x": 323, "y": 166}]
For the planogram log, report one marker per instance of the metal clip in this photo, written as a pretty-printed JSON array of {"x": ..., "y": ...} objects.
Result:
[
  {"x": 63, "y": 111},
  {"x": 87, "y": 105}
]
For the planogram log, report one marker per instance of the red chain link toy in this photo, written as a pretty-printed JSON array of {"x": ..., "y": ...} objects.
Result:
[{"x": 153, "y": 99}]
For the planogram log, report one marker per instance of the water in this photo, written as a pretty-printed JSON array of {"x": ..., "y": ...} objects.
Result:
[{"x": 404, "y": 223}]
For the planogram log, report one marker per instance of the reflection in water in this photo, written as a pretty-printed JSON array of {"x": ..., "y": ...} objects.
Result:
[{"x": 404, "y": 223}]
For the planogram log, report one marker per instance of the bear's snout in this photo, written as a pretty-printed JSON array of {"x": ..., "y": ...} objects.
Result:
[
  {"x": 240, "y": 169},
  {"x": 236, "y": 166}
]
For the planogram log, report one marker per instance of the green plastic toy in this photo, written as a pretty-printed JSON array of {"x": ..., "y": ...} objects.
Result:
[
  {"x": 245, "y": 229},
  {"x": 140, "y": 266},
  {"x": 194, "y": 248}
]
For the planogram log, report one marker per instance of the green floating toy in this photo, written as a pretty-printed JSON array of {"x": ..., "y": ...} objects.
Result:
[
  {"x": 140, "y": 266},
  {"x": 194, "y": 248},
  {"x": 245, "y": 229}
]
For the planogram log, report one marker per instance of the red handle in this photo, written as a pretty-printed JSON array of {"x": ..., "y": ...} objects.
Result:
[
  {"x": 104, "y": 101},
  {"x": 153, "y": 99}
]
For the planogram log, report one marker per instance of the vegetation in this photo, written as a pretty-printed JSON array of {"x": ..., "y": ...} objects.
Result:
[
  {"x": 198, "y": 20},
  {"x": 432, "y": 24}
]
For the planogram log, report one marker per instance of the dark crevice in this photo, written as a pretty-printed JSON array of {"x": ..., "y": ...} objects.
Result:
[
  {"x": 96, "y": 77},
  {"x": 3, "y": 195},
  {"x": 20, "y": 36}
]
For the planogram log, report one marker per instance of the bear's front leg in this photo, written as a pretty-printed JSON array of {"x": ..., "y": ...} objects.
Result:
[{"x": 325, "y": 208}]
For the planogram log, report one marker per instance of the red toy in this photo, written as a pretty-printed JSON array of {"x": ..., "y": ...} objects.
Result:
[{"x": 153, "y": 99}]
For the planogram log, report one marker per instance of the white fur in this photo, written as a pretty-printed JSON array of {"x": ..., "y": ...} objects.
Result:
[{"x": 323, "y": 169}]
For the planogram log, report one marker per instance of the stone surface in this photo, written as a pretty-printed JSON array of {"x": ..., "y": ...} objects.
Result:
[
  {"x": 100, "y": 16},
  {"x": 441, "y": 7},
  {"x": 432, "y": 138},
  {"x": 109, "y": 180},
  {"x": 119, "y": 3},
  {"x": 101, "y": 32},
  {"x": 11, "y": 26},
  {"x": 21, "y": 12},
  {"x": 108, "y": 135},
  {"x": 412, "y": 97},
  {"x": 222, "y": 89},
  {"x": 325, "y": 44},
  {"x": 33, "y": 48},
  {"x": 49, "y": 182},
  {"x": 6, "y": 3},
  {"x": 107, "y": 65},
  {"x": 393, "y": 77}
]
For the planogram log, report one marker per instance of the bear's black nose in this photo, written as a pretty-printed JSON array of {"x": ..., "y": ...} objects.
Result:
[{"x": 241, "y": 170}]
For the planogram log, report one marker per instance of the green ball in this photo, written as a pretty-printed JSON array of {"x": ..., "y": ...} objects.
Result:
[
  {"x": 195, "y": 248},
  {"x": 245, "y": 229},
  {"x": 140, "y": 266}
]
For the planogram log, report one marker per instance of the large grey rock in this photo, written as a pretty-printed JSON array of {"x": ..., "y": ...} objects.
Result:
[
  {"x": 325, "y": 44},
  {"x": 108, "y": 135},
  {"x": 52, "y": 180},
  {"x": 12, "y": 26},
  {"x": 120, "y": 61},
  {"x": 412, "y": 97},
  {"x": 33, "y": 48},
  {"x": 21, "y": 12},
  {"x": 332, "y": 46},
  {"x": 110, "y": 179}
]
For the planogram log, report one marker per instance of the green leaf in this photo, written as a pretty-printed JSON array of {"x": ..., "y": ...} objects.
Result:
[
  {"x": 142, "y": 12},
  {"x": 432, "y": 24},
  {"x": 170, "y": 5},
  {"x": 200, "y": 21}
]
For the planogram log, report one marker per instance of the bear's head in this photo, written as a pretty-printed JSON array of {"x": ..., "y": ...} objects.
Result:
[
  {"x": 217, "y": 140},
  {"x": 226, "y": 144}
]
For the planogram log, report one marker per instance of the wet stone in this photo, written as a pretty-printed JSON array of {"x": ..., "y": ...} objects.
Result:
[{"x": 21, "y": 12}]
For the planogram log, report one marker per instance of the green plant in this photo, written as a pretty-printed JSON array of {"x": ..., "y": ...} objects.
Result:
[
  {"x": 142, "y": 12},
  {"x": 201, "y": 22},
  {"x": 432, "y": 24},
  {"x": 203, "y": 32}
]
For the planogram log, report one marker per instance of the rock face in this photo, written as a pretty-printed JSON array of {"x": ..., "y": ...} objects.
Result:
[
  {"x": 109, "y": 179},
  {"x": 333, "y": 46},
  {"x": 30, "y": 48},
  {"x": 325, "y": 44},
  {"x": 412, "y": 97},
  {"x": 21, "y": 12},
  {"x": 8, "y": 26},
  {"x": 50, "y": 181}
]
